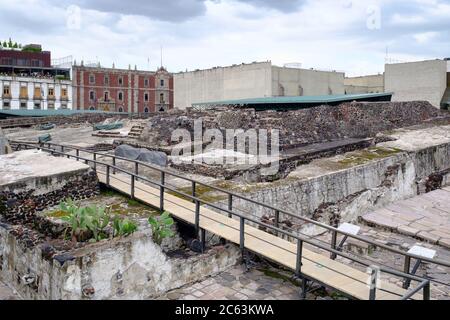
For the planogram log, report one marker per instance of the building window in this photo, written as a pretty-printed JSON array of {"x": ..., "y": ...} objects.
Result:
[
  {"x": 146, "y": 82},
  {"x": 37, "y": 93},
  {"x": 146, "y": 110},
  {"x": 92, "y": 108},
  {"x": 51, "y": 92},
  {"x": 161, "y": 98},
  {"x": 162, "y": 82},
  {"x": 23, "y": 105},
  {"x": 63, "y": 93},
  {"x": 106, "y": 80},
  {"x": 120, "y": 96},
  {"x": 51, "y": 106},
  {"x": 120, "y": 109},
  {"x": 106, "y": 96},
  {"x": 6, "y": 90},
  {"x": 300, "y": 90},
  {"x": 37, "y": 105},
  {"x": 120, "y": 81},
  {"x": 63, "y": 106},
  {"x": 146, "y": 97},
  {"x": 92, "y": 79},
  {"x": 6, "y": 105},
  {"x": 92, "y": 95},
  {"x": 24, "y": 92}
]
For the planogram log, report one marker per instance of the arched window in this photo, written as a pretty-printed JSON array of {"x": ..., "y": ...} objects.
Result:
[
  {"x": 91, "y": 108},
  {"x": 146, "y": 110},
  {"x": 120, "y": 96},
  {"x": 120, "y": 109},
  {"x": 106, "y": 96},
  {"x": 92, "y": 95}
]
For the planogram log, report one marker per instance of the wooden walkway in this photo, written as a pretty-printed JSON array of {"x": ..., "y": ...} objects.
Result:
[{"x": 315, "y": 266}]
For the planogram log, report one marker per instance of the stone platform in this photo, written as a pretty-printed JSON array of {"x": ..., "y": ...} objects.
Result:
[
  {"x": 30, "y": 167},
  {"x": 426, "y": 217}
]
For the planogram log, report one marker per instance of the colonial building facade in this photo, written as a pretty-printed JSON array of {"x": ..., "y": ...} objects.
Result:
[
  {"x": 28, "y": 81},
  {"x": 121, "y": 90}
]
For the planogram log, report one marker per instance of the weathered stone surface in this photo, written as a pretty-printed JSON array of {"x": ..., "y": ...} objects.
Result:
[
  {"x": 133, "y": 267},
  {"x": 317, "y": 124}
]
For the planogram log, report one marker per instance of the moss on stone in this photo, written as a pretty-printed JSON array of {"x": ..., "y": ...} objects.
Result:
[{"x": 363, "y": 156}]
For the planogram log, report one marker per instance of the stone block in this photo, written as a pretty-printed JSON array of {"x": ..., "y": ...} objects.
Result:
[{"x": 409, "y": 231}]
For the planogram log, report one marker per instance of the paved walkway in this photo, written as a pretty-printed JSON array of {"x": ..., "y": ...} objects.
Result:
[
  {"x": 237, "y": 284},
  {"x": 426, "y": 217}
]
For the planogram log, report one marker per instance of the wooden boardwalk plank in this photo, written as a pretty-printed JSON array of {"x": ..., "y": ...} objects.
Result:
[{"x": 316, "y": 266}]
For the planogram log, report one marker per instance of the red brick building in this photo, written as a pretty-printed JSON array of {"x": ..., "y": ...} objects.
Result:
[{"x": 121, "y": 90}]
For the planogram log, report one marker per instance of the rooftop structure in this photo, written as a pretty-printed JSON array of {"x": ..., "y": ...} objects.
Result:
[{"x": 297, "y": 102}]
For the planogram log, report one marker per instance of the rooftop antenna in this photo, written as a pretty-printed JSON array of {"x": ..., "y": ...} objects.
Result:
[{"x": 161, "y": 56}]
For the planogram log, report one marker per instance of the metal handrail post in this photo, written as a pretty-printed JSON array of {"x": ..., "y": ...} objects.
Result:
[
  {"x": 161, "y": 191},
  {"x": 230, "y": 205}
]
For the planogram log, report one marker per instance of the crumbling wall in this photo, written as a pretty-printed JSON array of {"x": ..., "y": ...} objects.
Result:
[
  {"x": 133, "y": 267},
  {"x": 300, "y": 127},
  {"x": 343, "y": 195}
]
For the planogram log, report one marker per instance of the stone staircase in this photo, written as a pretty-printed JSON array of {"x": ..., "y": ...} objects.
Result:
[{"x": 136, "y": 131}]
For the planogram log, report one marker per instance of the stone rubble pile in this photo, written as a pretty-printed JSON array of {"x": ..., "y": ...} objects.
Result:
[{"x": 300, "y": 127}]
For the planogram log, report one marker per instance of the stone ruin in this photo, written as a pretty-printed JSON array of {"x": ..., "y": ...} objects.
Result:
[
  {"x": 39, "y": 262},
  {"x": 305, "y": 134},
  {"x": 300, "y": 127}
]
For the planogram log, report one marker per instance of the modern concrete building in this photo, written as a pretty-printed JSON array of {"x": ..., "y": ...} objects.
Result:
[
  {"x": 254, "y": 80},
  {"x": 28, "y": 81},
  {"x": 364, "y": 84},
  {"x": 422, "y": 80},
  {"x": 122, "y": 90}
]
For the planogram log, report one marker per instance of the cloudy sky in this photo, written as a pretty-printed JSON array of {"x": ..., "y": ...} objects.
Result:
[{"x": 348, "y": 35}]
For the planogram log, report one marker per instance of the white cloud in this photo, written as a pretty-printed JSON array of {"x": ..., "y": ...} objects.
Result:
[{"x": 324, "y": 34}]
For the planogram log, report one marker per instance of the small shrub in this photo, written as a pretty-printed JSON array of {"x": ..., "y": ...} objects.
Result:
[
  {"x": 161, "y": 227},
  {"x": 123, "y": 227},
  {"x": 87, "y": 223}
]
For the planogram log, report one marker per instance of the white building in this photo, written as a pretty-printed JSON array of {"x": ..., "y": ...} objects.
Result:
[
  {"x": 254, "y": 80},
  {"x": 422, "y": 80},
  {"x": 27, "y": 93}
]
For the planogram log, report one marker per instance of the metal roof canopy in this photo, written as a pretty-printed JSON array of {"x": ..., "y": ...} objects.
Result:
[{"x": 296, "y": 102}]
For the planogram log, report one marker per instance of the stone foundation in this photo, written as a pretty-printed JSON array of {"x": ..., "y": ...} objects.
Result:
[
  {"x": 133, "y": 267},
  {"x": 335, "y": 191},
  {"x": 33, "y": 181}
]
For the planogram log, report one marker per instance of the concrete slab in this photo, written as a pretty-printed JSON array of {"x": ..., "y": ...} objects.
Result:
[{"x": 28, "y": 164}]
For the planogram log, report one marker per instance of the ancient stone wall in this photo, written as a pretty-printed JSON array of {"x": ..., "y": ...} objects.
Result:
[
  {"x": 343, "y": 194},
  {"x": 133, "y": 267},
  {"x": 300, "y": 127}
]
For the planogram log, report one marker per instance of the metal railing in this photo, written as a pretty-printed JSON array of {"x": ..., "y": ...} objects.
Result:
[{"x": 333, "y": 249}]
